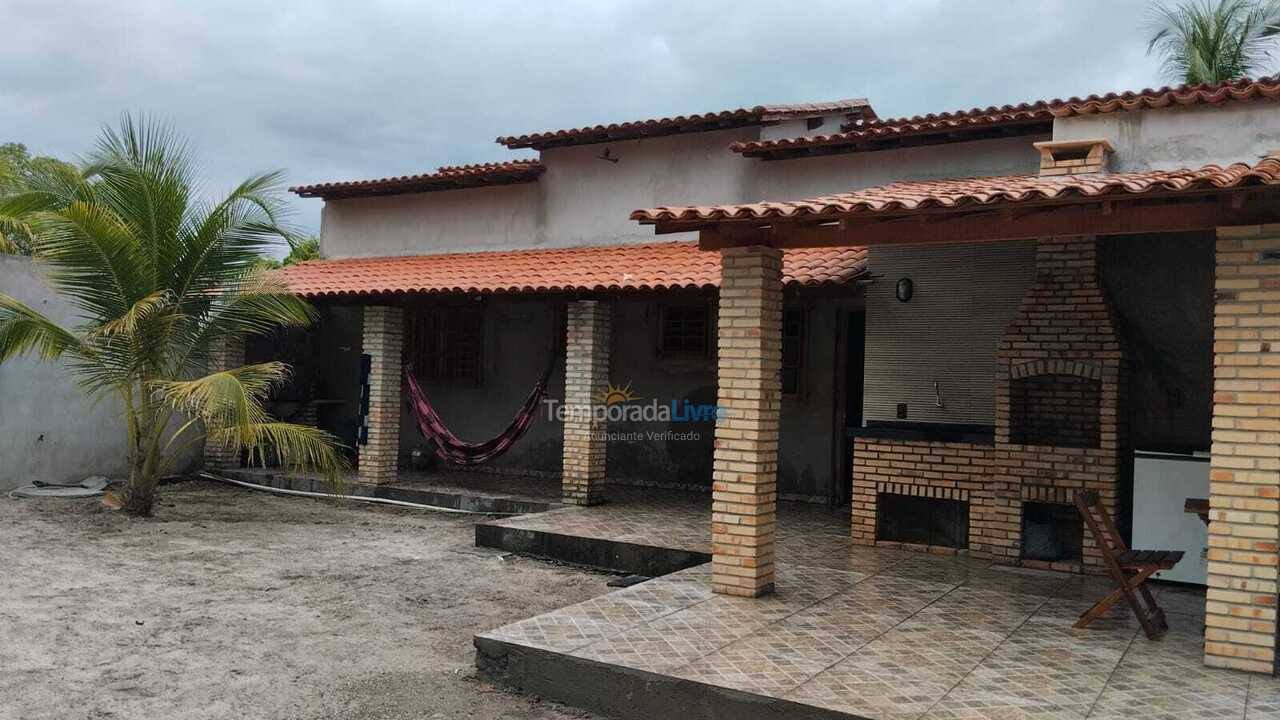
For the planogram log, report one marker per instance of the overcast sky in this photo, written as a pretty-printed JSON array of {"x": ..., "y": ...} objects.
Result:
[{"x": 345, "y": 90}]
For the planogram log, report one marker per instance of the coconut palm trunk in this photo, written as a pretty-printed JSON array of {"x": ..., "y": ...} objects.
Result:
[{"x": 160, "y": 278}]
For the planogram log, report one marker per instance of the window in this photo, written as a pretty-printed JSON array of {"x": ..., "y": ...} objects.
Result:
[
  {"x": 446, "y": 344},
  {"x": 792, "y": 350},
  {"x": 684, "y": 330}
]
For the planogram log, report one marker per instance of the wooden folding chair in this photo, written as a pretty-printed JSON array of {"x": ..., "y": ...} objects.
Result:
[{"x": 1129, "y": 568}]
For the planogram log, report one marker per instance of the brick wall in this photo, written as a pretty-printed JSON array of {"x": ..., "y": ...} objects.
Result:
[
  {"x": 228, "y": 354},
  {"x": 1062, "y": 343},
  {"x": 953, "y": 471},
  {"x": 382, "y": 341},
  {"x": 1244, "y": 533},
  {"x": 586, "y": 376},
  {"x": 744, "y": 489}
]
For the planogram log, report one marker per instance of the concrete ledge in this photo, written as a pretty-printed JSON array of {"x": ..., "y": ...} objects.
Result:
[
  {"x": 455, "y": 500},
  {"x": 609, "y": 555},
  {"x": 627, "y": 693}
]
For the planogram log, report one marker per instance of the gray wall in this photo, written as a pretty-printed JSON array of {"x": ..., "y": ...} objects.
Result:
[
  {"x": 1161, "y": 292},
  {"x": 1190, "y": 137},
  {"x": 964, "y": 297},
  {"x": 49, "y": 430},
  {"x": 583, "y": 200},
  {"x": 522, "y": 333}
]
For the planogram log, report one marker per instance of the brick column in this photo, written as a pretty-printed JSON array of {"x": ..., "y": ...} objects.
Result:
[
  {"x": 586, "y": 375},
  {"x": 1244, "y": 494},
  {"x": 382, "y": 342},
  {"x": 226, "y": 355},
  {"x": 744, "y": 499}
]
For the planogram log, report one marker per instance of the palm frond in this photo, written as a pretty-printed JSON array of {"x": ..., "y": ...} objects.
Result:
[
  {"x": 254, "y": 305},
  {"x": 24, "y": 330},
  {"x": 131, "y": 321},
  {"x": 297, "y": 447},
  {"x": 91, "y": 256},
  {"x": 226, "y": 399},
  {"x": 1203, "y": 41}
]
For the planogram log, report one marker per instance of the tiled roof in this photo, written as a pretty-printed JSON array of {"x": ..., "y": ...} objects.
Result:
[
  {"x": 964, "y": 124},
  {"x": 683, "y": 123},
  {"x": 448, "y": 177},
  {"x": 879, "y": 131},
  {"x": 906, "y": 197},
  {"x": 651, "y": 266},
  {"x": 1267, "y": 88}
]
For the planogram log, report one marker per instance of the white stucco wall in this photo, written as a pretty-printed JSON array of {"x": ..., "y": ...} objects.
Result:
[
  {"x": 1172, "y": 138},
  {"x": 583, "y": 199}
]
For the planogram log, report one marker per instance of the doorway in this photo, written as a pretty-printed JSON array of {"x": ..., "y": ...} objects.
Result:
[{"x": 852, "y": 380}]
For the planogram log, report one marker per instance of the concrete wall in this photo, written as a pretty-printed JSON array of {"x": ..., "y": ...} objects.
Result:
[
  {"x": 49, "y": 430},
  {"x": 964, "y": 296},
  {"x": 583, "y": 199},
  {"x": 809, "y": 177},
  {"x": 1172, "y": 138}
]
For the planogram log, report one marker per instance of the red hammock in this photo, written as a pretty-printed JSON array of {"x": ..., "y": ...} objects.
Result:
[{"x": 459, "y": 452}]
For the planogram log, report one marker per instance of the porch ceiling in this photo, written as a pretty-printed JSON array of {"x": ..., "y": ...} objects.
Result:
[{"x": 992, "y": 208}]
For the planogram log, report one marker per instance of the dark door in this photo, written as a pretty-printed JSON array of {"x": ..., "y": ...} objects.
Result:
[{"x": 854, "y": 355}]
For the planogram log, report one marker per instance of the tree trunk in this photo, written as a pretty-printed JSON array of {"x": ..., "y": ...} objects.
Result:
[{"x": 139, "y": 496}]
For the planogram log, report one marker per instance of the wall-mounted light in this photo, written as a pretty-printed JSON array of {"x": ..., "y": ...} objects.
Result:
[{"x": 904, "y": 290}]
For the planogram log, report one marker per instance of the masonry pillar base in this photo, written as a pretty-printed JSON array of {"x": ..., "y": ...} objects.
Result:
[
  {"x": 1244, "y": 480},
  {"x": 744, "y": 489},
  {"x": 382, "y": 341},
  {"x": 227, "y": 355},
  {"x": 586, "y": 375}
]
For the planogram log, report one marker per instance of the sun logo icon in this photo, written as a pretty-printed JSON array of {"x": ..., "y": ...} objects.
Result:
[{"x": 615, "y": 394}]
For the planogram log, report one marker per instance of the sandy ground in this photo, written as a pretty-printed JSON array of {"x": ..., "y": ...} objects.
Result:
[{"x": 236, "y": 604}]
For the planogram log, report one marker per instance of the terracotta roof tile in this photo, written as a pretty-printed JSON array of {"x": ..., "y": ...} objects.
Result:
[
  {"x": 1246, "y": 90},
  {"x": 906, "y": 197},
  {"x": 651, "y": 266},
  {"x": 872, "y": 131},
  {"x": 876, "y": 132},
  {"x": 682, "y": 123},
  {"x": 448, "y": 177}
]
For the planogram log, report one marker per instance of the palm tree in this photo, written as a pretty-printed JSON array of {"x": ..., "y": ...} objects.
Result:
[
  {"x": 1212, "y": 42},
  {"x": 161, "y": 279}
]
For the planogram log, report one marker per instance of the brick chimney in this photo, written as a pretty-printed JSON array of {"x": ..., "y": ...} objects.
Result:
[
  {"x": 1074, "y": 157},
  {"x": 1058, "y": 393}
]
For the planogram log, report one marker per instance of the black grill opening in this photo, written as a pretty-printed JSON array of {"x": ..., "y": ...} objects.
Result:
[
  {"x": 1051, "y": 532},
  {"x": 922, "y": 520}
]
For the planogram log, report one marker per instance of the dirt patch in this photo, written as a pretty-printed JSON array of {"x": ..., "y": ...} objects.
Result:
[{"x": 235, "y": 604}]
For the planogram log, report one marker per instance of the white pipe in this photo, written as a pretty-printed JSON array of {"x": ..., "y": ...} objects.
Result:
[{"x": 361, "y": 498}]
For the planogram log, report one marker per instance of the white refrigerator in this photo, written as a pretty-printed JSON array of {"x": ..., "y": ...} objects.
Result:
[{"x": 1162, "y": 482}]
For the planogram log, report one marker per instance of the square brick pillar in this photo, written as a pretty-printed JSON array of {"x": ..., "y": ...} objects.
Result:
[
  {"x": 586, "y": 376},
  {"x": 226, "y": 355},
  {"x": 744, "y": 491},
  {"x": 382, "y": 341},
  {"x": 1244, "y": 494}
]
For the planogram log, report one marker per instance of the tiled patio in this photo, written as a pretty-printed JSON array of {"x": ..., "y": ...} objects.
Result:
[
  {"x": 901, "y": 635},
  {"x": 873, "y": 633}
]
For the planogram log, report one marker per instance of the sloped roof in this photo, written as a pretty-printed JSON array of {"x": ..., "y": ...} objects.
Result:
[
  {"x": 448, "y": 177},
  {"x": 962, "y": 125},
  {"x": 1245, "y": 90},
  {"x": 882, "y": 131},
  {"x": 651, "y": 266},
  {"x": 906, "y": 197},
  {"x": 698, "y": 122}
]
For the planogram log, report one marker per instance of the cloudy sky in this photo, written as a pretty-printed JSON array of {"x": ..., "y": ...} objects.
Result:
[{"x": 343, "y": 90}]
